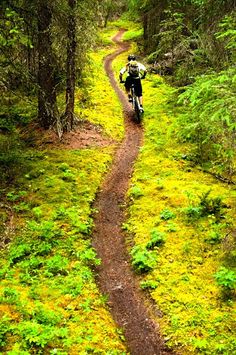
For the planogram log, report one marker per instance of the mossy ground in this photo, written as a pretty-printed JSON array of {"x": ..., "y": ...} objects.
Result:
[
  {"x": 49, "y": 300},
  {"x": 104, "y": 109},
  {"x": 50, "y": 303},
  {"x": 180, "y": 246}
]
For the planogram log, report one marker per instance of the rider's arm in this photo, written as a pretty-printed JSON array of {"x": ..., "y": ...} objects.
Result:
[
  {"x": 143, "y": 70},
  {"x": 122, "y": 71},
  {"x": 144, "y": 74}
]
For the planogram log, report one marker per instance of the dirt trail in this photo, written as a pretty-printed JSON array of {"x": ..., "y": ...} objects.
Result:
[{"x": 115, "y": 277}]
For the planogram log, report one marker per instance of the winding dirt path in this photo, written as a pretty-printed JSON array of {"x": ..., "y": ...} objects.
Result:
[{"x": 115, "y": 276}]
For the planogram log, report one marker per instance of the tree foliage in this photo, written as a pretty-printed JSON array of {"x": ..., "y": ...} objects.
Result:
[
  {"x": 209, "y": 121},
  {"x": 193, "y": 41},
  {"x": 34, "y": 47},
  {"x": 198, "y": 32}
]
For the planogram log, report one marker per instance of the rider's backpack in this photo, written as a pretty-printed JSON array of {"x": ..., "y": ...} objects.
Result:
[{"x": 133, "y": 69}]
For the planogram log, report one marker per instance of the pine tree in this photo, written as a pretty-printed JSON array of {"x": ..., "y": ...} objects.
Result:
[{"x": 47, "y": 107}]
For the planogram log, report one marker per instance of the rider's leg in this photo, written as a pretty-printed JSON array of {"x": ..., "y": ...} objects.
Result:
[
  {"x": 128, "y": 86},
  {"x": 141, "y": 103},
  {"x": 140, "y": 100},
  {"x": 139, "y": 91},
  {"x": 128, "y": 92}
]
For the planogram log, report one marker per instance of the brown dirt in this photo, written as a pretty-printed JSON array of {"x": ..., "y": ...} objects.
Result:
[
  {"x": 85, "y": 135},
  {"x": 115, "y": 276}
]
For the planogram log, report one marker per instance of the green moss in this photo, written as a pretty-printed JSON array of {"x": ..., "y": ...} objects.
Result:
[
  {"x": 48, "y": 293},
  {"x": 53, "y": 287},
  {"x": 196, "y": 319},
  {"x": 102, "y": 106},
  {"x": 133, "y": 29},
  {"x": 134, "y": 33}
]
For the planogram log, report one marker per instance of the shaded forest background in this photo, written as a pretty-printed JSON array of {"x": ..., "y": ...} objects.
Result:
[{"x": 44, "y": 46}]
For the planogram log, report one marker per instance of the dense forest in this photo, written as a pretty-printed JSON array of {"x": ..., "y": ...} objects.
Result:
[
  {"x": 183, "y": 185},
  {"x": 193, "y": 42},
  {"x": 43, "y": 55},
  {"x": 43, "y": 52}
]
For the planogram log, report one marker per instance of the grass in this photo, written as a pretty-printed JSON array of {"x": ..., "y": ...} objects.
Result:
[
  {"x": 195, "y": 213},
  {"x": 49, "y": 300}
]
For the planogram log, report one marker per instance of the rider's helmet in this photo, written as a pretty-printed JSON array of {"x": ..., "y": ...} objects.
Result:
[{"x": 131, "y": 57}]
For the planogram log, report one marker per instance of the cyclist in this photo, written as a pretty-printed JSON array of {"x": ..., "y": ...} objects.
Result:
[{"x": 135, "y": 72}]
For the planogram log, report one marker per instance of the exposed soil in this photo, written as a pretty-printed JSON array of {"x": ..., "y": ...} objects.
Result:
[
  {"x": 84, "y": 135},
  {"x": 115, "y": 276}
]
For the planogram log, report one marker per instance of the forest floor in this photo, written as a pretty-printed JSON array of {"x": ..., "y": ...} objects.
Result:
[
  {"x": 115, "y": 276},
  {"x": 131, "y": 192},
  {"x": 116, "y": 279}
]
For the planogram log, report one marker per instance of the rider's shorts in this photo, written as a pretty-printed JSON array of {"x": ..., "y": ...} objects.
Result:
[{"x": 137, "y": 85}]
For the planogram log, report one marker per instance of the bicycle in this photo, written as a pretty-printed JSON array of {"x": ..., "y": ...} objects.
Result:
[{"x": 138, "y": 110}]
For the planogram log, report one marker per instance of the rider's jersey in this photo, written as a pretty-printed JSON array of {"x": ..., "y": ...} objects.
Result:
[{"x": 141, "y": 67}]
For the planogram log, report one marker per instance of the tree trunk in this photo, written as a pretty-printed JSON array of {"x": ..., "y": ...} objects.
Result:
[
  {"x": 69, "y": 116},
  {"x": 107, "y": 15},
  {"x": 47, "y": 106}
]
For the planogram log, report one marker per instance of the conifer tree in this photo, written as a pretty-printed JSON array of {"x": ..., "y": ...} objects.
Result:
[
  {"x": 47, "y": 107},
  {"x": 68, "y": 118}
]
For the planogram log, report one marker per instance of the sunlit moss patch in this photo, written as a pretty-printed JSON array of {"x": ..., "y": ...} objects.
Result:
[
  {"x": 193, "y": 214},
  {"x": 104, "y": 108},
  {"x": 49, "y": 300}
]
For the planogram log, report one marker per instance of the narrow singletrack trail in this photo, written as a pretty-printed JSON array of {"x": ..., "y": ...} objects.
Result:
[{"x": 115, "y": 276}]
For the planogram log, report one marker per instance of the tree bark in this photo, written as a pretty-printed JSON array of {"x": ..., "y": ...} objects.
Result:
[
  {"x": 107, "y": 15},
  {"x": 69, "y": 116},
  {"x": 47, "y": 106}
]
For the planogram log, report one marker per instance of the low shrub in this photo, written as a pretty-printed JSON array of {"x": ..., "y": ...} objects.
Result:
[
  {"x": 211, "y": 205},
  {"x": 157, "y": 239},
  {"x": 209, "y": 121},
  {"x": 206, "y": 206},
  {"x": 142, "y": 259},
  {"x": 167, "y": 214},
  {"x": 226, "y": 278},
  {"x": 57, "y": 264},
  {"x": 4, "y": 328},
  {"x": 12, "y": 161},
  {"x": 149, "y": 284}
]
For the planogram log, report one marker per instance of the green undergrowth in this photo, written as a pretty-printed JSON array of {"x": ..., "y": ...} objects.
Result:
[
  {"x": 104, "y": 108},
  {"x": 95, "y": 101},
  {"x": 134, "y": 30},
  {"x": 15, "y": 110},
  {"x": 185, "y": 250},
  {"x": 49, "y": 300}
]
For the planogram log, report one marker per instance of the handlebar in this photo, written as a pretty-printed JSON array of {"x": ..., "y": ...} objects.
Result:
[{"x": 123, "y": 81}]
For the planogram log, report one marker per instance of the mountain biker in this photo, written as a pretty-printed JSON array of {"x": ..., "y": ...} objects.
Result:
[{"x": 135, "y": 72}]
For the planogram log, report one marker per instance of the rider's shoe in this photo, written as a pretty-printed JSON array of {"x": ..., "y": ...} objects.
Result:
[
  {"x": 130, "y": 98},
  {"x": 141, "y": 109}
]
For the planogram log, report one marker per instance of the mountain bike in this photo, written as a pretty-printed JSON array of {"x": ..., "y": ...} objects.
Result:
[{"x": 138, "y": 110}]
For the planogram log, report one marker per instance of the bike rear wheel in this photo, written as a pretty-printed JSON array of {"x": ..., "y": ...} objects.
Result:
[{"x": 138, "y": 113}]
